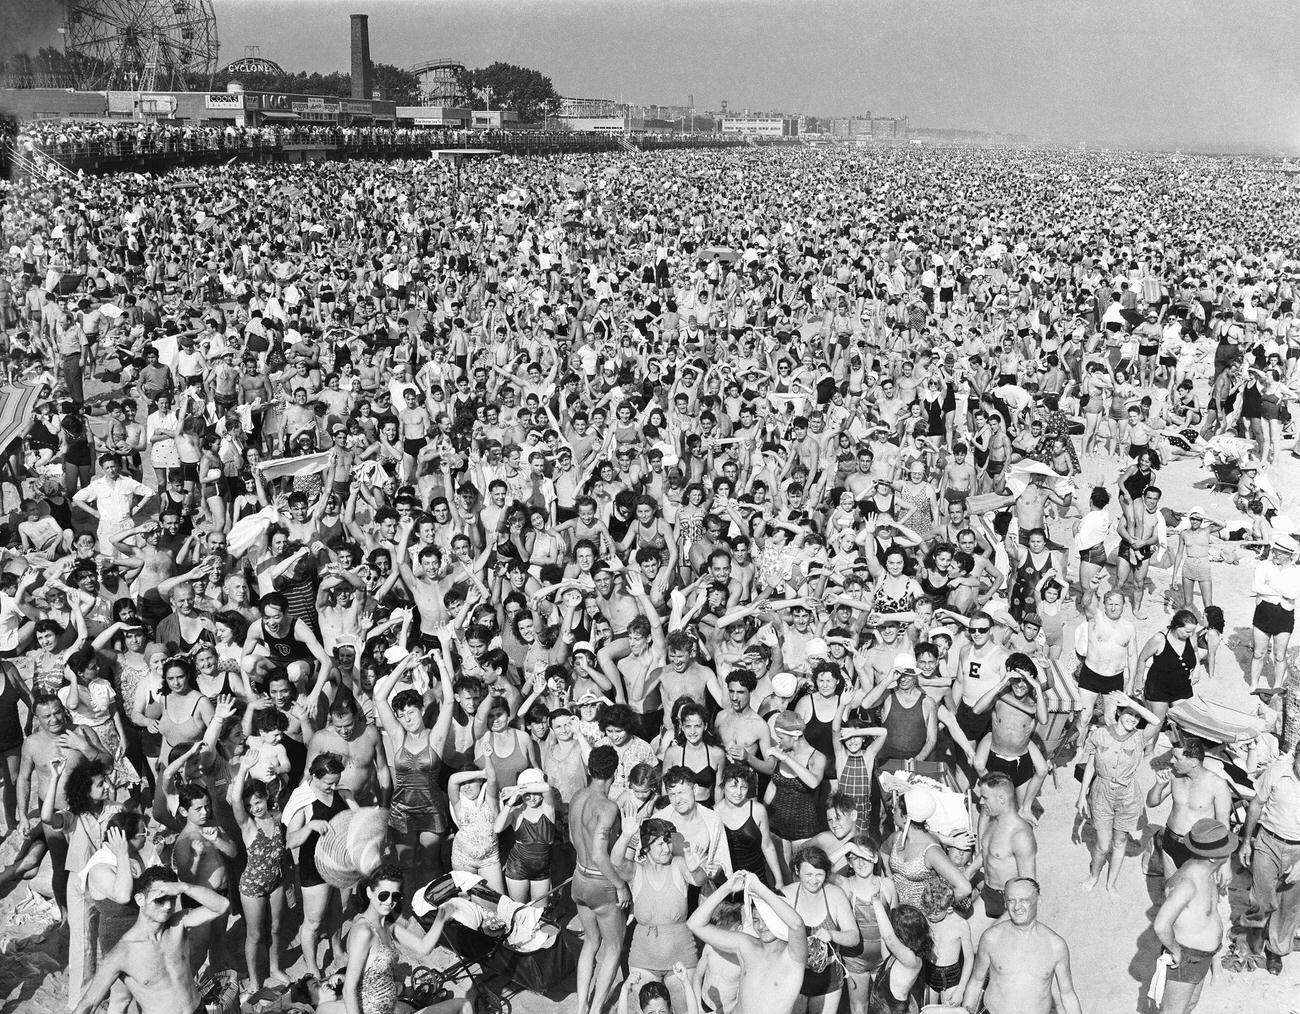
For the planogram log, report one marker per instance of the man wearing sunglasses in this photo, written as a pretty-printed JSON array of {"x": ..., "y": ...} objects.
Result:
[
  {"x": 153, "y": 957},
  {"x": 979, "y": 668}
]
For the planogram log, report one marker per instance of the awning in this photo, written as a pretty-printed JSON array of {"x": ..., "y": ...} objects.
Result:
[{"x": 272, "y": 114}]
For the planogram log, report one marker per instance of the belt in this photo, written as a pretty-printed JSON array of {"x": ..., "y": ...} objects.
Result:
[{"x": 1284, "y": 841}]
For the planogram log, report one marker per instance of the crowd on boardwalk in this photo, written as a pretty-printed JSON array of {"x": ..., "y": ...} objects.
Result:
[{"x": 696, "y": 544}]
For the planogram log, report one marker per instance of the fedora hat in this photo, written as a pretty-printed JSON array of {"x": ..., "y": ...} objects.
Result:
[{"x": 1211, "y": 839}]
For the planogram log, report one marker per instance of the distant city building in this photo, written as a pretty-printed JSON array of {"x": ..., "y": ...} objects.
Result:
[
  {"x": 761, "y": 126},
  {"x": 849, "y": 128}
]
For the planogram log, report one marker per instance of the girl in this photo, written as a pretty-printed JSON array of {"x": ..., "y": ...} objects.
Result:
[
  {"x": 531, "y": 817},
  {"x": 473, "y": 808},
  {"x": 261, "y": 886},
  {"x": 862, "y": 884},
  {"x": 691, "y": 722}
]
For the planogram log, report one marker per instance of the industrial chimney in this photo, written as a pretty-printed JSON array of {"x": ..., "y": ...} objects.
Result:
[{"x": 363, "y": 72}]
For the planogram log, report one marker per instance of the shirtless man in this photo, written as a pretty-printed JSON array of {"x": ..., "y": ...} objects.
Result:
[
  {"x": 682, "y": 676},
  {"x": 1006, "y": 845},
  {"x": 599, "y": 893},
  {"x": 299, "y": 417},
  {"x": 1019, "y": 707},
  {"x": 53, "y": 736},
  {"x": 1188, "y": 923},
  {"x": 771, "y": 963},
  {"x": 157, "y": 563},
  {"x": 1024, "y": 962},
  {"x": 957, "y": 484},
  {"x": 743, "y": 732},
  {"x": 366, "y": 774},
  {"x": 1141, "y": 532},
  {"x": 1199, "y": 794},
  {"x": 1030, "y": 507},
  {"x": 153, "y": 957},
  {"x": 637, "y": 661},
  {"x": 1109, "y": 662}
]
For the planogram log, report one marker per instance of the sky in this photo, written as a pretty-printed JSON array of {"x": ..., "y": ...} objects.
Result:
[{"x": 1145, "y": 73}]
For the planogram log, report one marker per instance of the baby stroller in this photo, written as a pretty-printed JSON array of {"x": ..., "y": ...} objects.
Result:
[
  {"x": 1226, "y": 476},
  {"x": 502, "y": 946}
]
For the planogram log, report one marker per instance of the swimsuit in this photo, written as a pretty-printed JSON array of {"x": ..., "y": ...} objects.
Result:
[
  {"x": 530, "y": 858},
  {"x": 262, "y": 874}
]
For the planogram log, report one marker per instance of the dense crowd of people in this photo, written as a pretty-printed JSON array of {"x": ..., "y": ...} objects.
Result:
[{"x": 700, "y": 540}]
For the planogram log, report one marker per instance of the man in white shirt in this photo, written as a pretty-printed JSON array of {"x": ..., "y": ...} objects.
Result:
[{"x": 111, "y": 498}]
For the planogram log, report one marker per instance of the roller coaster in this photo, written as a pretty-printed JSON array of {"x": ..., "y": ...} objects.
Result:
[{"x": 440, "y": 81}]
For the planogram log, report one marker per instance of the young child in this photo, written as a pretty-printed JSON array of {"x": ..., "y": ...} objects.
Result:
[
  {"x": 264, "y": 757},
  {"x": 951, "y": 958},
  {"x": 717, "y": 976}
]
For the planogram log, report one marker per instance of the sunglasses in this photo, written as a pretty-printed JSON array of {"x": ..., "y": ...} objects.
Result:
[
  {"x": 396, "y": 896},
  {"x": 980, "y": 630}
]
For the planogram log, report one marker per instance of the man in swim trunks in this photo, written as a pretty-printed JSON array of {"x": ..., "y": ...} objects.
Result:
[
  {"x": 1022, "y": 961},
  {"x": 1108, "y": 664},
  {"x": 599, "y": 893},
  {"x": 1199, "y": 794},
  {"x": 1006, "y": 846},
  {"x": 1188, "y": 923},
  {"x": 1019, "y": 706}
]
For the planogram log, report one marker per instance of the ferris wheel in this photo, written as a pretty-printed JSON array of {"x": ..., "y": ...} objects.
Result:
[{"x": 142, "y": 44}]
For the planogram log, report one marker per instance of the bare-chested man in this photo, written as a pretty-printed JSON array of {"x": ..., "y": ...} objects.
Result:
[
  {"x": 1022, "y": 960},
  {"x": 1142, "y": 531},
  {"x": 1019, "y": 707},
  {"x": 153, "y": 956},
  {"x": 1109, "y": 663},
  {"x": 53, "y": 735},
  {"x": 599, "y": 893},
  {"x": 1199, "y": 794},
  {"x": 1188, "y": 923},
  {"x": 743, "y": 731},
  {"x": 771, "y": 963},
  {"x": 1006, "y": 845},
  {"x": 366, "y": 774}
]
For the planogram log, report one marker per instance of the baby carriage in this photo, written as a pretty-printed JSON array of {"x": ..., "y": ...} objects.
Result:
[{"x": 502, "y": 946}]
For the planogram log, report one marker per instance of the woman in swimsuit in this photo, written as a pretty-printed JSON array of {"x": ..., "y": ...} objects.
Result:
[
  {"x": 689, "y": 750},
  {"x": 895, "y": 592},
  {"x": 185, "y": 712},
  {"x": 304, "y": 826},
  {"x": 745, "y": 823},
  {"x": 1173, "y": 661},
  {"x": 916, "y": 855},
  {"x": 826, "y": 912},
  {"x": 503, "y": 751},
  {"x": 419, "y": 817},
  {"x": 370, "y": 985},
  {"x": 906, "y": 935}
]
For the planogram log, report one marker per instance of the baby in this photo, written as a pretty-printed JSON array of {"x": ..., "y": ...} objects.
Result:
[{"x": 264, "y": 754}]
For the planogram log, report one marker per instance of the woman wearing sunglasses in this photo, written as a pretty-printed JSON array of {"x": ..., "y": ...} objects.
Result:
[{"x": 369, "y": 986}]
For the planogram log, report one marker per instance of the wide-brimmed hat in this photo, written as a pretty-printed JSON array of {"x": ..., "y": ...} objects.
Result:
[{"x": 1211, "y": 839}]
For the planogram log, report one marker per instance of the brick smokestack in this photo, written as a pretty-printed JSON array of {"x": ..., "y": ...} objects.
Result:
[{"x": 363, "y": 72}]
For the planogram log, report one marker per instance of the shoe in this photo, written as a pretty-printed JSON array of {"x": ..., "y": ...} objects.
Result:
[{"x": 1273, "y": 962}]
